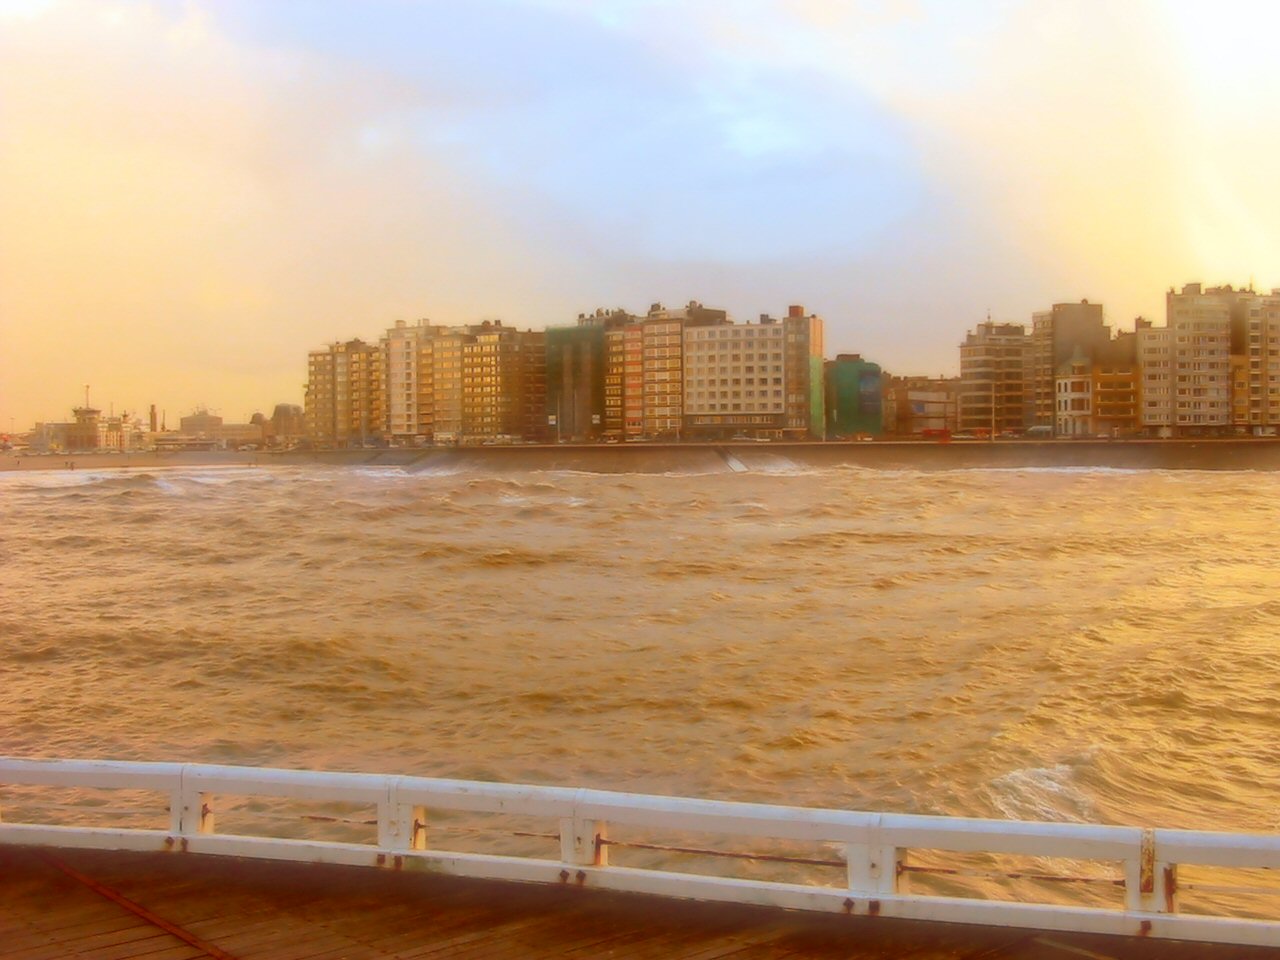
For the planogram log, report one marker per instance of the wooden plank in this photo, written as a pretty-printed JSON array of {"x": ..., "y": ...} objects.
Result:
[
  {"x": 320, "y": 947},
  {"x": 292, "y": 911},
  {"x": 51, "y": 952}
]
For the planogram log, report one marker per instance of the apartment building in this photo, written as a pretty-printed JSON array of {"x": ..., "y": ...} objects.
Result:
[
  {"x": 1074, "y": 411},
  {"x": 920, "y": 406},
  {"x": 662, "y": 354},
  {"x": 1209, "y": 371},
  {"x": 643, "y": 390},
  {"x": 409, "y": 361},
  {"x": 803, "y": 375},
  {"x": 1056, "y": 335},
  {"x": 1155, "y": 365},
  {"x": 1117, "y": 387},
  {"x": 995, "y": 360},
  {"x": 1199, "y": 324},
  {"x": 585, "y": 369},
  {"x": 614, "y": 379},
  {"x": 488, "y": 383},
  {"x": 734, "y": 380},
  {"x": 1256, "y": 366},
  {"x": 345, "y": 395},
  {"x": 447, "y": 361}
]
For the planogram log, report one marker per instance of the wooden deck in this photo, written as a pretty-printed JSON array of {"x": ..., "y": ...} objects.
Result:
[{"x": 117, "y": 906}]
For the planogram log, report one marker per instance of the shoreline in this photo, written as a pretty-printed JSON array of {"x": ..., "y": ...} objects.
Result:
[{"x": 1198, "y": 454}]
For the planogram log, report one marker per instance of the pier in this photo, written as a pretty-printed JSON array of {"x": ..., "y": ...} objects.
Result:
[{"x": 187, "y": 888}]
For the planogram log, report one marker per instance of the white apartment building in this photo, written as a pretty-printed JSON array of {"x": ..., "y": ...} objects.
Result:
[
  {"x": 1155, "y": 360},
  {"x": 1074, "y": 407},
  {"x": 734, "y": 379},
  {"x": 408, "y": 363},
  {"x": 1199, "y": 325}
]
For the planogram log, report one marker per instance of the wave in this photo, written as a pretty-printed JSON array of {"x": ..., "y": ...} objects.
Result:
[{"x": 1043, "y": 793}]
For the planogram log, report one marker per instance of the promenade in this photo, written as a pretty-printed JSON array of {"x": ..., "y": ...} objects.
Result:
[{"x": 110, "y": 905}]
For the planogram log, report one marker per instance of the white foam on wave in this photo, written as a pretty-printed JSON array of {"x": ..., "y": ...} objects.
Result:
[
  {"x": 1110, "y": 471},
  {"x": 1042, "y": 793},
  {"x": 389, "y": 472},
  {"x": 438, "y": 470}
]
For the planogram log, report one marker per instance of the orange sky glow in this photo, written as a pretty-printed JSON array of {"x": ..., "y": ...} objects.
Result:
[{"x": 196, "y": 194}]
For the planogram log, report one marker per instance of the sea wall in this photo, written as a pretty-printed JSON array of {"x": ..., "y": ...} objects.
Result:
[
  {"x": 656, "y": 458},
  {"x": 718, "y": 458}
]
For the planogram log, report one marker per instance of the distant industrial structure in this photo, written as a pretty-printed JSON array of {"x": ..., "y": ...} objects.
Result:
[{"x": 90, "y": 432}]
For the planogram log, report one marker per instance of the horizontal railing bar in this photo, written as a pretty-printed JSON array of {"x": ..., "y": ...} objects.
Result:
[
  {"x": 323, "y": 819},
  {"x": 89, "y": 809},
  {"x": 1220, "y": 888},
  {"x": 1248, "y": 850},
  {"x": 90, "y": 773},
  {"x": 734, "y": 854},
  {"x": 1002, "y": 875}
]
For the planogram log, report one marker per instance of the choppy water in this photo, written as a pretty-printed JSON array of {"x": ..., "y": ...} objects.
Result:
[{"x": 1080, "y": 644}]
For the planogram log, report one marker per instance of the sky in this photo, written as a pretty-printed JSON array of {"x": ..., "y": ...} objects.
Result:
[{"x": 195, "y": 194}]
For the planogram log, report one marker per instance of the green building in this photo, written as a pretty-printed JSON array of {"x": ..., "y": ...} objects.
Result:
[
  {"x": 854, "y": 391},
  {"x": 575, "y": 382}
]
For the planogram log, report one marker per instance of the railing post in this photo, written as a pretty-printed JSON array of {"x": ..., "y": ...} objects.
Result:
[
  {"x": 873, "y": 868},
  {"x": 189, "y": 809},
  {"x": 580, "y": 842},
  {"x": 401, "y": 826},
  {"x": 1150, "y": 884}
]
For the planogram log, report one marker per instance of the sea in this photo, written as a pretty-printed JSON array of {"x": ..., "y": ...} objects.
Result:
[{"x": 1082, "y": 645}]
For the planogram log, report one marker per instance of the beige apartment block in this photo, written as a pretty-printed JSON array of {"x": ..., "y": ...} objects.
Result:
[
  {"x": 633, "y": 381},
  {"x": 1155, "y": 362},
  {"x": 994, "y": 362},
  {"x": 1199, "y": 325},
  {"x": 1214, "y": 368},
  {"x": 446, "y": 378},
  {"x": 345, "y": 400},
  {"x": 409, "y": 358},
  {"x": 1256, "y": 355},
  {"x": 663, "y": 377},
  {"x": 488, "y": 383}
]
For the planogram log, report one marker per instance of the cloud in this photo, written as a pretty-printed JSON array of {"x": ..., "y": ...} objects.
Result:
[
  {"x": 192, "y": 214},
  {"x": 203, "y": 192}
]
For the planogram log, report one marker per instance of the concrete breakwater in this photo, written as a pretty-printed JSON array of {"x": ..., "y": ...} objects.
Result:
[{"x": 694, "y": 458}]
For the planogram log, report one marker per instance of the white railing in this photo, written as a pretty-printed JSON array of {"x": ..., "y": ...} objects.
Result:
[{"x": 875, "y": 847}]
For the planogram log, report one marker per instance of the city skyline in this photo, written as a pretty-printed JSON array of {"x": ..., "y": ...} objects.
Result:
[{"x": 214, "y": 187}]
